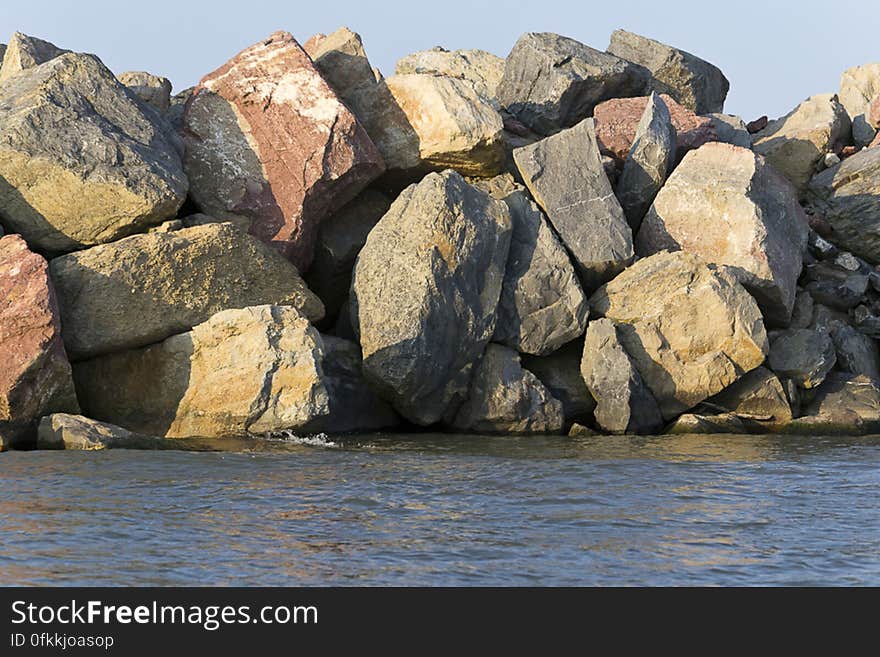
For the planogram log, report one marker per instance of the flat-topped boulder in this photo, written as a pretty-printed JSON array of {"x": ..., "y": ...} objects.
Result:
[
  {"x": 482, "y": 69},
  {"x": 271, "y": 146},
  {"x": 147, "y": 287},
  {"x": 552, "y": 82},
  {"x": 110, "y": 172},
  {"x": 183, "y": 386},
  {"x": 693, "y": 82},
  {"x": 425, "y": 291},
  {"x": 728, "y": 206}
]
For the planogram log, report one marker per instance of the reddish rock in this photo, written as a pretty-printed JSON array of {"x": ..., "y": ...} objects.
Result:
[
  {"x": 757, "y": 125},
  {"x": 848, "y": 151},
  {"x": 618, "y": 119},
  {"x": 819, "y": 224},
  {"x": 874, "y": 114},
  {"x": 35, "y": 378},
  {"x": 876, "y": 141},
  {"x": 271, "y": 147}
]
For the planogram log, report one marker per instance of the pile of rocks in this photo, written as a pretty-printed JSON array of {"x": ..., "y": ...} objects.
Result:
[{"x": 563, "y": 239}]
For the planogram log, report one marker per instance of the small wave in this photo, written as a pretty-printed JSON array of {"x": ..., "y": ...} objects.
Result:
[{"x": 316, "y": 440}]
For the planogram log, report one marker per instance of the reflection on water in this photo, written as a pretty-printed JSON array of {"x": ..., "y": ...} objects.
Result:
[{"x": 436, "y": 509}]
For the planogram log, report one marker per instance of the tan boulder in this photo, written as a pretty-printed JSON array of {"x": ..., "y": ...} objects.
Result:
[
  {"x": 24, "y": 52},
  {"x": 858, "y": 86},
  {"x": 64, "y": 431},
  {"x": 482, "y": 69},
  {"x": 154, "y": 90}
]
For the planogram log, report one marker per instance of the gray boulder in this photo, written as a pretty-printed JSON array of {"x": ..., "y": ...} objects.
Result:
[
  {"x": 693, "y": 82},
  {"x": 730, "y": 129},
  {"x": 504, "y": 398},
  {"x": 64, "y": 431},
  {"x": 650, "y": 159},
  {"x": 425, "y": 289},
  {"x": 154, "y": 90},
  {"x": 24, "y": 52},
  {"x": 560, "y": 372},
  {"x": 552, "y": 82},
  {"x": 566, "y": 177},
  {"x": 624, "y": 404},
  {"x": 856, "y": 352},
  {"x": 803, "y": 355},
  {"x": 844, "y": 404},
  {"x": 758, "y": 396}
]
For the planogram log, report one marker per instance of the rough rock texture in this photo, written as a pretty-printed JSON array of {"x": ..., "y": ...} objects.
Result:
[
  {"x": 482, "y": 69},
  {"x": 354, "y": 407},
  {"x": 181, "y": 387},
  {"x": 2, "y": 51},
  {"x": 152, "y": 89},
  {"x": 270, "y": 145},
  {"x": 725, "y": 204},
  {"x": 560, "y": 372},
  {"x": 843, "y": 404},
  {"x": 758, "y": 396},
  {"x": 650, "y": 159},
  {"x": 340, "y": 239},
  {"x": 35, "y": 376},
  {"x": 848, "y": 196},
  {"x": 795, "y": 143},
  {"x": 691, "y": 329},
  {"x": 856, "y": 352},
  {"x": 730, "y": 129},
  {"x": 425, "y": 289},
  {"x": 803, "y": 355},
  {"x": 542, "y": 305},
  {"x": 24, "y": 52},
  {"x": 580, "y": 431},
  {"x": 64, "y": 431},
  {"x": 623, "y": 402},
  {"x": 504, "y": 398},
  {"x": 693, "y": 82},
  {"x": 565, "y": 175},
  {"x": 81, "y": 162},
  {"x": 802, "y": 314},
  {"x": 723, "y": 423},
  {"x": 146, "y": 287},
  {"x": 873, "y": 116},
  {"x": 858, "y": 86},
  {"x": 552, "y": 82}
]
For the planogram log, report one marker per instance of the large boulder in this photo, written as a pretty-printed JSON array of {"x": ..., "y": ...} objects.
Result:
[
  {"x": 690, "y": 327},
  {"x": 650, "y": 159},
  {"x": 566, "y": 177},
  {"x": 805, "y": 356},
  {"x": 552, "y": 82},
  {"x": 542, "y": 305},
  {"x": 856, "y": 352},
  {"x": 624, "y": 404},
  {"x": 617, "y": 122},
  {"x": 482, "y": 69},
  {"x": 81, "y": 161},
  {"x": 152, "y": 89},
  {"x": 727, "y": 205},
  {"x": 65, "y": 431},
  {"x": 24, "y": 52},
  {"x": 425, "y": 290},
  {"x": 560, "y": 372},
  {"x": 245, "y": 371},
  {"x": 730, "y": 129},
  {"x": 147, "y": 287},
  {"x": 848, "y": 197},
  {"x": 35, "y": 376},
  {"x": 504, "y": 398},
  {"x": 693, "y": 82},
  {"x": 795, "y": 143},
  {"x": 858, "y": 86},
  {"x": 270, "y": 146},
  {"x": 844, "y": 404},
  {"x": 759, "y": 396}
]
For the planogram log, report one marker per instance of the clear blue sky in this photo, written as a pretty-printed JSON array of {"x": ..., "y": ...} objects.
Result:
[{"x": 774, "y": 53}]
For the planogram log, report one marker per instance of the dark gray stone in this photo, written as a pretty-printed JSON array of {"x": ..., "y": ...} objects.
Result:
[
  {"x": 803, "y": 355},
  {"x": 560, "y": 372}
]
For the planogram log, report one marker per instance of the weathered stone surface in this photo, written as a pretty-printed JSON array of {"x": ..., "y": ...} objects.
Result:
[
  {"x": 839, "y": 294},
  {"x": 181, "y": 387},
  {"x": 482, "y": 69},
  {"x": 270, "y": 145},
  {"x": 154, "y": 90},
  {"x": 560, "y": 372},
  {"x": 354, "y": 407},
  {"x": 848, "y": 196},
  {"x": 617, "y": 122},
  {"x": 108, "y": 171},
  {"x": 873, "y": 115},
  {"x": 730, "y": 129},
  {"x": 565, "y": 175},
  {"x": 802, "y": 313},
  {"x": 843, "y": 404},
  {"x": 623, "y": 402},
  {"x": 24, "y": 52},
  {"x": 858, "y": 86},
  {"x": 64, "y": 431},
  {"x": 803, "y": 355},
  {"x": 758, "y": 396},
  {"x": 35, "y": 376},
  {"x": 552, "y": 82},
  {"x": 425, "y": 289},
  {"x": 542, "y": 305},
  {"x": 650, "y": 159},
  {"x": 723, "y": 423},
  {"x": 146, "y": 287},
  {"x": 580, "y": 431},
  {"x": 856, "y": 352},
  {"x": 690, "y": 328},
  {"x": 795, "y": 143},
  {"x": 725, "y": 204},
  {"x": 693, "y": 82},
  {"x": 340, "y": 239},
  {"x": 504, "y": 398}
]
